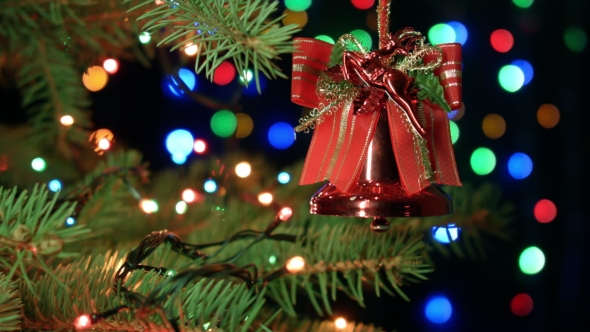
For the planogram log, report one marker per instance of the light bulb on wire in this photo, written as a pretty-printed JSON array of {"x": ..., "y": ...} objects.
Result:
[
  {"x": 295, "y": 264},
  {"x": 340, "y": 323},
  {"x": 285, "y": 213},
  {"x": 82, "y": 322}
]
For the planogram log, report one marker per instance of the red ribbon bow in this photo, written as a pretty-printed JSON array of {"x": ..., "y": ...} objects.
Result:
[{"x": 340, "y": 142}]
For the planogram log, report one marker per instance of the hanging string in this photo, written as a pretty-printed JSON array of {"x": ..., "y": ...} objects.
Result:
[{"x": 383, "y": 12}]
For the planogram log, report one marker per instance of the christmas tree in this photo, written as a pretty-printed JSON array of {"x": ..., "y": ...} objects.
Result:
[{"x": 92, "y": 239}]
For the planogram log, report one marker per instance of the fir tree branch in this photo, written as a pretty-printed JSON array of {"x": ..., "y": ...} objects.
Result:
[
  {"x": 478, "y": 211},
  {"x": 10, "y": 305},
  {"x": 239, "y": 30},
  {"x": 32, "y": 231},
  {"x": 51, "y": 89},
  {"x": 286, "y": 323}
]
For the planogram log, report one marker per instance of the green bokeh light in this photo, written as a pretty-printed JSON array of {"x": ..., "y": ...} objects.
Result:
[
  {"x": 531, "y": 261},
  {"x": 325, "y": 38},
  {"x": 483, "y": 161},
  {"x": 145, "y": 37},
  {"x": 297, "y": 5},
  {"x": 38, "y": 164},
  {"x": 364, "y": 38},
  {"x": 247, "y": 77},
  {"x": 441, "y": 33},
  {"x": 224, "y": 123},
  {"x": 272, "y": 259},
  {"x": 523, "y": 3},
  {"x": 454, "y": 131},
  {"x": 575, "y": 39},
  {"x": 511, "y": 78}
]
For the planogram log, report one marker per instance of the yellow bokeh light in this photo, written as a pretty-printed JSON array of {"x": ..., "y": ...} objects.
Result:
[
  {"x": 548, "y": 116},
  {"x": 265, "y": 198},
  {"x": 191, "y": 49},
  {"x": 371, "y": 20},
  {"x": 95, "y": 78},
  {"x": 245, "y": 125},
  {"x": 299, "y": 18},
  {"x": 67, "y": 120},
  {"x": 493, "y": 126},
  {"x": 295, "y": 264},
  {"x": 104, "y": 144},
  {"x": 148, "y": 206},
  {"x": 340, "y": 323},
  {"x": 181, "y": 207},
  {"x": 243, "y": 169}
]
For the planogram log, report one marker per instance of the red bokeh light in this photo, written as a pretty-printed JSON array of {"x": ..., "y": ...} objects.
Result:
[
  {"x": 200, "y": 146},
  {"x": 545, "y": 211},
  {"x": 502, "y": 40},
  {"x": 224, "y": 74},
  {"x": 521, "y": 305},
  {"x": 363, "y": 4},
  {"x": 110, "y": 66},
  {"x": 3, "y": 163}
]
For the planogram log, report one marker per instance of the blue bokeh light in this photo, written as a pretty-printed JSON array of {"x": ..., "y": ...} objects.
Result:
[
  {"x": 251, "y": 90},
  {"x": 438, "y": 309},
  {"x": 520, "y": 166},
  {"x": 180, "y": 141},
  {"x": 54, "y": 185},
  {"x": 188, "y": 77},
  {"x": 460, "y": 32},
  {"x": 284, "y": 177},
  {"x": 447, "y": 234},
  {"x": 178, "y": 158},
  {"x": 527, "y": 70},
  {"x": 210, "y": 186},
  {"x": 281, "y": 135},
  {"x": 452, "y": 114},
  {"x": 70, "y": 221}
]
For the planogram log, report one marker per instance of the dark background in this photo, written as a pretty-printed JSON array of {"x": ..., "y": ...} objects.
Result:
[{"x": 138, "y": 110}]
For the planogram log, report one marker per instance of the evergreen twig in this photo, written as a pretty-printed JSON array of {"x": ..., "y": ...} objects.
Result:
[
  {"x": 10, "y": 305},
  {"x": 240, "y": 30}
]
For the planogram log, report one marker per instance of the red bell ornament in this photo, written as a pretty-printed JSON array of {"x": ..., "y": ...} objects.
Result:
[
  {"x": 381, "y": 141},
  {"x": 378, "y": 192}
]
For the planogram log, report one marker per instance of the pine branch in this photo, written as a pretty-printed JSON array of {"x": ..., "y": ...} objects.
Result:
[
  {"x": 478, "y": 211},
  {"x": 51, "y": 63},
  {"x": 239, "y": 30},
  {"x": 286, "y": 323},
  {"x": 51, "y": 89},
  {"x": 32, "y": 232},
  {"x": 215, "y": 303},
  {"x": 346, "y": 258},
  {"x": 10, "y": 305}
]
